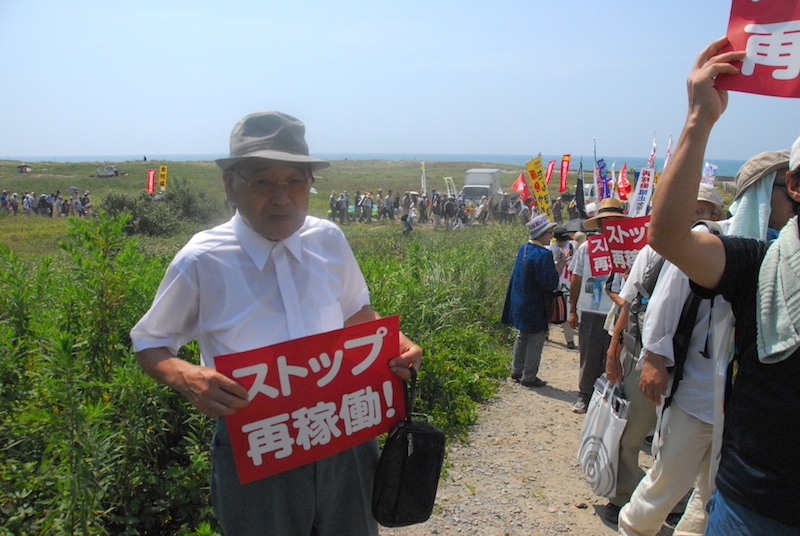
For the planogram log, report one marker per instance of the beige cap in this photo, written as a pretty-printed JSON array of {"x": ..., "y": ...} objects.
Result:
[
  {"x": 761, "y": 165},
  {"x": 710, "y": 194}
]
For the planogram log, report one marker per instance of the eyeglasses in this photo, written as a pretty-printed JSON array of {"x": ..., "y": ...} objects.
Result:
[
  {"x": 703, "y": 213},
  {"x": 267, "y": 188}
]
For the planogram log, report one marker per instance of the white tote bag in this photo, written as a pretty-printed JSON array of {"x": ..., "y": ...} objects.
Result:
[{"x": 598, "y": 450}]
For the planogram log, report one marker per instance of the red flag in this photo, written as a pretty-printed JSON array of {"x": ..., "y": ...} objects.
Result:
[
  {"x": 550, "y": 166},
  {"x": 521, "y": 186},
  {"x": 768, "y": 32},
  {"x": 624, "y": 185},
  {"x": 564, "y": 173}
]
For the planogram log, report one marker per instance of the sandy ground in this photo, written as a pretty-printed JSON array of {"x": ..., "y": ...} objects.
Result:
[{"x": 519, "y": 474}]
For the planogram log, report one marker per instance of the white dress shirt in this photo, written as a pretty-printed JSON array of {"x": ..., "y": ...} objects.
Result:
[
  {"x": 695, "y": 395},
  {"x": 234, "y": 290}
]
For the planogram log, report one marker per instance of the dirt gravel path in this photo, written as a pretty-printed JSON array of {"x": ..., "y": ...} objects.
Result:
[{"x": 519, "y": 474}]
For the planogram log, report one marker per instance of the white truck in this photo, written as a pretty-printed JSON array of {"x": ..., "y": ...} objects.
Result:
[{"x": 479, "y": 182}]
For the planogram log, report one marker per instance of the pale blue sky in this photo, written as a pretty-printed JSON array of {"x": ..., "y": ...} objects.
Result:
[{"x": 421, "y": 76}]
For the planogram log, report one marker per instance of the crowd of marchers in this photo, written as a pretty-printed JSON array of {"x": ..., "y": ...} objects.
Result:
[{"x": 54, "y": 205}]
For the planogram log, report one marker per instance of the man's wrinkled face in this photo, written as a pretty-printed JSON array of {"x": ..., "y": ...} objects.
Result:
[{"x": 271, "y": 196}]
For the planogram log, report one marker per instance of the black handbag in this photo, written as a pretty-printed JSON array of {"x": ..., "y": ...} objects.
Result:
[{"x": 408, "y": 470}]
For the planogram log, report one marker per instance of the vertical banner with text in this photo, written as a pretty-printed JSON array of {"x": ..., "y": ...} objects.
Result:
[
  {"x": 151, "y": 181},
  {"x": 551, "y": 165},
  {"x": 313, "y": 397},
  {"x": 644, "y": 190},
  {"x": 162, "y": 177},
  {"x": 562, "y": 187},
  {"x": 536, "y": 174}
]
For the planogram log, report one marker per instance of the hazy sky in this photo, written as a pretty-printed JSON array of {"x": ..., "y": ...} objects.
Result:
[{"x": 420, "y": 76}]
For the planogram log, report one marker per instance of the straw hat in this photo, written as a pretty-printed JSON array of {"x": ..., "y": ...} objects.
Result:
[
  {"x": 538, "y": 225},
  {"x": 610, "y": 207},
  {"x": 270, "y": 135}
]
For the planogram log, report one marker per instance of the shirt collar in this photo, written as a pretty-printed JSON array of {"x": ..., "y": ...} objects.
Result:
[{"x": 260, "y": 248}]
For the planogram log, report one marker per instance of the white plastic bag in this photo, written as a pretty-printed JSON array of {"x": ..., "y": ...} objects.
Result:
[{"x": 598, "y": 450}]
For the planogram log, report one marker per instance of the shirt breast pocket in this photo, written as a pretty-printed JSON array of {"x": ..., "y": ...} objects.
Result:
[{"x": 331, "y": 317}]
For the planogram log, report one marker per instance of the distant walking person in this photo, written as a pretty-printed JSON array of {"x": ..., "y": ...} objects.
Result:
[{"x": 533, "y": 280}]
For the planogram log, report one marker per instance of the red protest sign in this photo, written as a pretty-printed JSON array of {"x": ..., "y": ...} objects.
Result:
[
  {"x": 313, "y": 397},
  {"x": 599, "y": 256},
  {"x": 769, "y": 32},
  {"x": 625, "y": 238}
]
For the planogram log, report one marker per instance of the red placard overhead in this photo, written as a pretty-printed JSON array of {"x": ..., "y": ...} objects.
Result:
[
  {"x": 313, "y": 397},
  {"x": 769, "y": 31},
  {"x": 625, "y": 238}
]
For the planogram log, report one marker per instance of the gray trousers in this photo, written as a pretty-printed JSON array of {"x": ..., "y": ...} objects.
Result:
[
  {"x": 329, "y": 497},
  {"x": 593, "y": 342},
  {"x": 641, "y": 421},
  {"x": 527, "y": 355}
]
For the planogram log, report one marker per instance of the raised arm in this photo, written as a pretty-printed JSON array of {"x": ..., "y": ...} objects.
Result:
[{"x": 700, "y": 256}]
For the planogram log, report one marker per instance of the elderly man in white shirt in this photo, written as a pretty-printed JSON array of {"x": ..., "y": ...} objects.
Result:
[{"x": 270, "y": 274}]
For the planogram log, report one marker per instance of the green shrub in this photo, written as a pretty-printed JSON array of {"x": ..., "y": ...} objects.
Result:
[
  {"x": 179, "y": 209},
  {"x": 90, "y": 444}
]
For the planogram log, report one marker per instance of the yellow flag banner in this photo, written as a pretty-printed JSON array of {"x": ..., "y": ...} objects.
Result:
[
  {"x": 162, "y": 176},
  {"x": 536, "y": 173}
]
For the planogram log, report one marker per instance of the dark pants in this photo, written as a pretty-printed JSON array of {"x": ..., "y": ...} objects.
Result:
[
  {"x": 329, "y": 497},
  {"x": 593, "y": 343}
]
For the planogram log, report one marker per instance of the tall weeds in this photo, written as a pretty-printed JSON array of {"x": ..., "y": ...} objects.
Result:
[{"x": 88, "y": 443}]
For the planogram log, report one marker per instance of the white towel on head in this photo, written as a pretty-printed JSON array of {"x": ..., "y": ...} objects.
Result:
[{"x": 752, "y": 210}]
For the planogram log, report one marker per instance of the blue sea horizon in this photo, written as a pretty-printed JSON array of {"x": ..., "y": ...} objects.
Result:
[{"x": 726, "y": 168}]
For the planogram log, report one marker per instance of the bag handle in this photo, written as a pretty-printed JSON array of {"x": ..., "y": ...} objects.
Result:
[{"x": 410, "y": 393}]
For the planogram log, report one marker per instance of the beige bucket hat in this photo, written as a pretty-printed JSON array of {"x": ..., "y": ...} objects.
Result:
[{"x": 271, "y": 135}]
